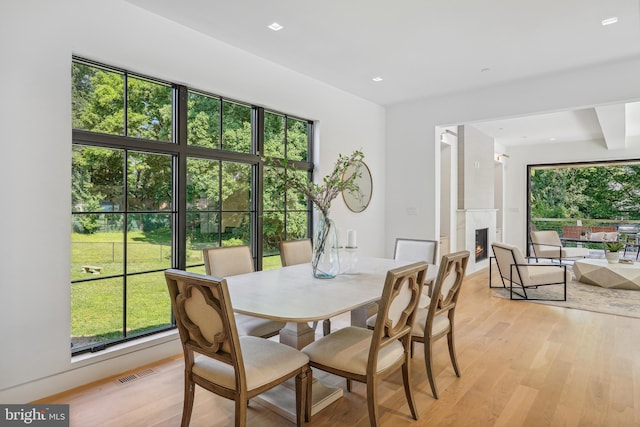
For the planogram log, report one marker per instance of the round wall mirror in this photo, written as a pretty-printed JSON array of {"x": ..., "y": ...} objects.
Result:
[{"x": 358, "y": 201}]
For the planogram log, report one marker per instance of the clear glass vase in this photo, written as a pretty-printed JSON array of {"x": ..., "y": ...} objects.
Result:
[{"x": 325, "y": 260}]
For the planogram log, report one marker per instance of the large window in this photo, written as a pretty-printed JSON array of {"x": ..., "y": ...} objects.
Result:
[
  {"x": 584, "y": 197},
  {"x": 159, "y": 172}
]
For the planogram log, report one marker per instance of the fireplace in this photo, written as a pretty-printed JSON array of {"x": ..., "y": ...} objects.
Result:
[
  {"x": 481, "y": 244},
  {"x": 469, "y": 223}
]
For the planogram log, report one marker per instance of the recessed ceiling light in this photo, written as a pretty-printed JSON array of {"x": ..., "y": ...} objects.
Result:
[
  {"x": 552, "y": 139},
  {"x": 609, "y": 21},
  {"x": 276, "y": 27},
  {"x": 377, "y": 79}
]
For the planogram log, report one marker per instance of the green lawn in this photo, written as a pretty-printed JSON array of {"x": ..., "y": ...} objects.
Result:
[{"x": 97, "y": 305}]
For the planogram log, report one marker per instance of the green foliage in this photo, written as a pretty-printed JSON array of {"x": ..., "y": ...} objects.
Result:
[
  {"x": 614, "y": 246},
  {"x": 88, "y": 223},
  {"x": 232, "y": 242},
  {"x": 597, "y": 192},
  {"x": 98, "y": 106},
  {"x": 203, "y": 123},
  {"x": 333, "y": 184},
  {"x": 212, "y": 185}
]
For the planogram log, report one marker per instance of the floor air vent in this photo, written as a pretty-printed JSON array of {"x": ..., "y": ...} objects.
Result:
[
  {"x": 145, "y": 373},
  {"x": 135, "y": 376}
]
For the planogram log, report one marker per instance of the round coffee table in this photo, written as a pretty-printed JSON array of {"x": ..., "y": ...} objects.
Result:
[{"x": 613, "y": 276}]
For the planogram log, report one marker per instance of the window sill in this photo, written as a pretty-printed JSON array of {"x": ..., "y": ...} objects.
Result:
[{"x": 125, "y": 348}]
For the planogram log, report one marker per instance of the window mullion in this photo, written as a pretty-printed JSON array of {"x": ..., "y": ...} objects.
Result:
[
  {"x": 257, "y": 135},
  {"x": 180, "y": 179}
]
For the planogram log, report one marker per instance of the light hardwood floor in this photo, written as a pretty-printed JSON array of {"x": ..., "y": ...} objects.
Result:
[{"x": 523, "y": 364}]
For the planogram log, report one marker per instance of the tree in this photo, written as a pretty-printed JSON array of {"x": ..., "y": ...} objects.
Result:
[
  {"x": 98, "y": 98},
  {"x": 596, "y": 191}
]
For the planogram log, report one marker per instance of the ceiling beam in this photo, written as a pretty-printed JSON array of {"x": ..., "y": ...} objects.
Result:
[{"x": 612, "y": 120}]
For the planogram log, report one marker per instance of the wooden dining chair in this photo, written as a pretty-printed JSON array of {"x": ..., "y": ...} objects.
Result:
[
  {"x": 411, "y": 250},
  {"x": 219, "y": 360},
  {"x": 230, "y": 261},
  {"x": 416, "y": 250},
  {"x": 437, "y": 320},
  {"x": 293, "y": 252},
  {"x": 365, "y": 355}
]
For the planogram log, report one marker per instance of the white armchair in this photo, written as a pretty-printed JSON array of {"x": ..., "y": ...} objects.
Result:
[{"x": 520, "y": 275}]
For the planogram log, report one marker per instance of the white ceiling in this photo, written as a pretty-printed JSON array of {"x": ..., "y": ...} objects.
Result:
[
  {"x": 423, "y": 48},
  {"x": 589, "y": 124}
]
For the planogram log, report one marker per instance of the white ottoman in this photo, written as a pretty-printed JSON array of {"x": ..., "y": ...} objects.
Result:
[{"x": 613, "y": 276}]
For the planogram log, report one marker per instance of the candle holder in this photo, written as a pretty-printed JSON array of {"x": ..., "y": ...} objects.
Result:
[
  {"x": 351, "y": 239},
  {"x": 349, "y": 260}
]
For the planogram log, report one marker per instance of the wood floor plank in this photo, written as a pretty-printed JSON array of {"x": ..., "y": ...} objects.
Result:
[
  {"x": 517, "y": 407},
  {"x": 523, "y": 364}
]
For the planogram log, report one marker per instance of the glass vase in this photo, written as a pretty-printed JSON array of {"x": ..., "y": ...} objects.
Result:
[{"x": 325, "y": 260}]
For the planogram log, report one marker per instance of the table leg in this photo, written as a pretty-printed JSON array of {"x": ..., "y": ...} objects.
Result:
[
  {"x": 297, "y": 335},
  {"x": 360, "y": 315},
  {"x": 281, "y": 399}
]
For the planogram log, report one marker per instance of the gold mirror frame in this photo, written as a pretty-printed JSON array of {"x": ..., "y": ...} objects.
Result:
[{"x": 358, "y": 201}]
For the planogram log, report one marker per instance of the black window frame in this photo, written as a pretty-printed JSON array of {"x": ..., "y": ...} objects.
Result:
[{"x": 179, "y": 149}]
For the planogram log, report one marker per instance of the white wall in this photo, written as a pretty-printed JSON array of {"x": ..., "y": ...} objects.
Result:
[
  {"x": 37, "y": 40},
  {"x": 478, "y": 169},
  {"x": 413, "y": 171},
  {"x": 413, "y": 153}
]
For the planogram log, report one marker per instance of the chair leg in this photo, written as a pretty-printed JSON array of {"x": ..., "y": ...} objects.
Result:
[
  {"x": 452, "y": 352},
  {"x": 407, "y": 388},
  {"x": 326, "y": 327},
  {"x": 309, "y": 397},
  {"x": 372, "y": 402},
  {"x": 241, "y": 412},
  {"x": 301, "y": 397},
  {"x": 428, "y": 351},
  {"x": 187, "y": 407}
]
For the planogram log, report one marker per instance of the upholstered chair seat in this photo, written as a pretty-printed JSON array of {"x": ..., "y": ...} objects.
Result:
[
  {"x": 348, "y": 350},
  {"x": 440, "y": 323},
  {"x": 256, "y": 326},
  {"x": 264, "y": 362}
]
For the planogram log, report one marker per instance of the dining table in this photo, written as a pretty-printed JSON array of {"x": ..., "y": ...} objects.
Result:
[{"x": 294, "y": 296}]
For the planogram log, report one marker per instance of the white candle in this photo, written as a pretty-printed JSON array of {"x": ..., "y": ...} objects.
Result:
[{"x": 351, "y": 238}]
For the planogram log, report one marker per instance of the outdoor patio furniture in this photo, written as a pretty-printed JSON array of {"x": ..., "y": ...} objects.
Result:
[
  {"x": 547, "y": 244},
  {"x": 631, "y": 244}
]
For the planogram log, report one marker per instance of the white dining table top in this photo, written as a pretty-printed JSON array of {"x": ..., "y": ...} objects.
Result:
[{"x": 292, "y": 294}]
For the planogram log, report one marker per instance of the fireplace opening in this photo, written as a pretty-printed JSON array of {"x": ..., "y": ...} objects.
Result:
[{"x": 481, "y": 244}]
